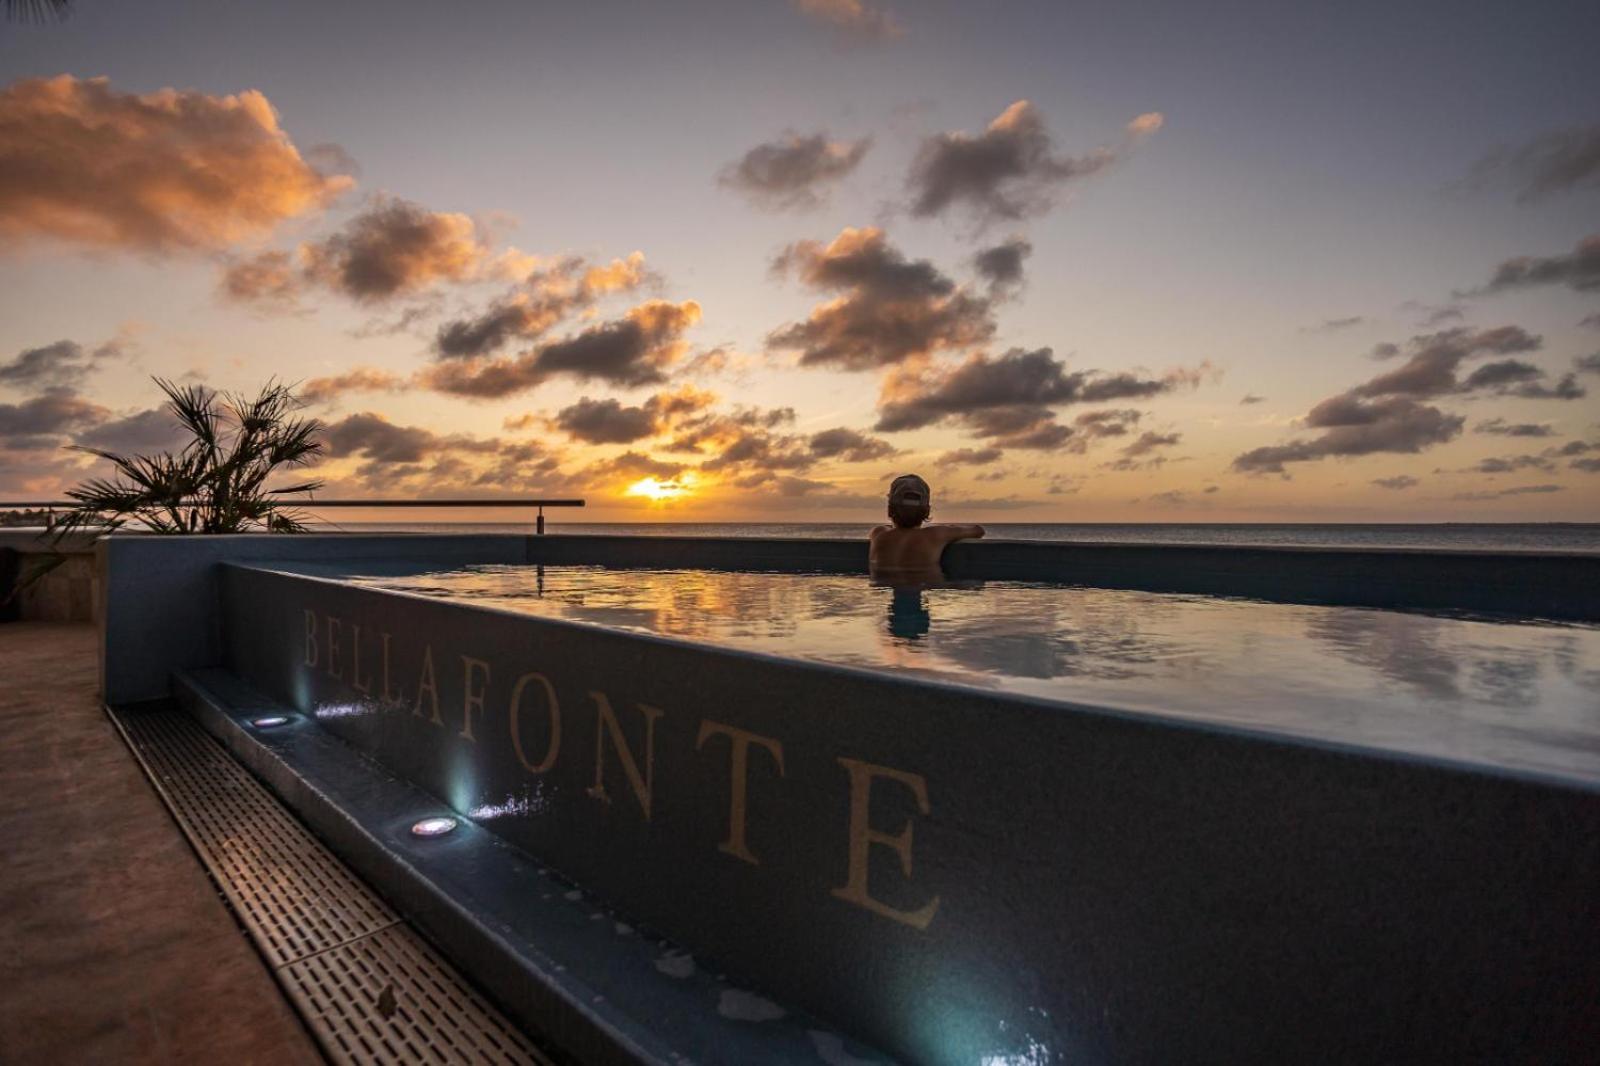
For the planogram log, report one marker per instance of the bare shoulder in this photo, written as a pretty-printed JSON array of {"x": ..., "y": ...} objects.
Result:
[{"x": 878, "y": 531}]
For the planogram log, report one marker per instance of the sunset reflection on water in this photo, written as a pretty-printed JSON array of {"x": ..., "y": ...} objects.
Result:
[{"x": 1521, "y": 695}]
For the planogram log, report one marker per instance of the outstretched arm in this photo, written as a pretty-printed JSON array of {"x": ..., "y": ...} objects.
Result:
[{"x": 954, "y": 533}]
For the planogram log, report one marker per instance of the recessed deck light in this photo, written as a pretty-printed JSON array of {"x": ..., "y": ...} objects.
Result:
[
  {"x": 270, "y": 720},
  {"x": 433, "y": 827}
]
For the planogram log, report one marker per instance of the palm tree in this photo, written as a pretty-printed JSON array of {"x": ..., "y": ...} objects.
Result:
[{"x": 217, "y": 483}]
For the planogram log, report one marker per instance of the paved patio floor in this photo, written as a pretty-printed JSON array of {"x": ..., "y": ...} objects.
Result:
[{"x": 114, "y": 945}]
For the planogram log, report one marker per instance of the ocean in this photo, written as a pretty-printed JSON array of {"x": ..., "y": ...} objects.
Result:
[{"x": 1532, "y": 536}]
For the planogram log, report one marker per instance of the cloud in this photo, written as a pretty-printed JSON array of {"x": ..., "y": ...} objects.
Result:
[
  {"x": 1435, "y": 357},
  {"x": 970, "y": 457},
  {"x": 34, "y": 423},
  {"x": 1435, "y": 314},
  {"x": 1578, "y": 270},
  {"x": 1010, "y": 170},
  {"x": 166, "y": 171},
  {"x": 64, "y": 364},
  {"x": 1588, "y": 466},
  {"x": 1010, "y": 395},
  {"x": 268, "y": 280},
  {"x": 419, "y": 462},
  {"x": 1333, "y": 325},
  {"x": 393, "y": 248},
  {"x": 892, "y": 308},
  {"x": 1150, "y": 442},
  {"x": 1021, "y": 426},
  {"x": 1587, "y": 364},
  {"x": 1396, "y": 483},
  {"x": 361, "y": 379},
  {"x": 750, "y": 447},
  {"x": 1499, "y": 427},
  {"x": 850, "y": 445},
  {"x": 853, "y": 19},
  {"x": 1001, "y": 266},
  {"x": 1572, "y": 447},
  {"x": 1591, "y": 321},
  {"x": 631, "y": 351},
  {"x": 610, "y": 422},
  {"x": 544, "y": 298},
  {"x": 1251, "y": 398},
  {"x": 372, "y": 436},
  {"x": 396, "y": 247},
  {"x": 1500, "y": 374},
  {"x": 605, "y": 422},
  {"x": 1554, "y": 162},
  {"x": 1567, "y": 388},
  {"x": 1519, "y": 490},
  {"x": 1141, "y": 453},
  {"x": 1356, "y": 426},
  {"x": 1112, "y": 422},
  {"x": 1511, "y": 463},
  {"x": 791, "y": 173},
  {"x": 150, "y": 430},
  {"x": 636, "y": 349}
]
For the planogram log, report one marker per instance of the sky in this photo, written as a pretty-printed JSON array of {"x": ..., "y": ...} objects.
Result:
[{"x": 744, "y": 261}]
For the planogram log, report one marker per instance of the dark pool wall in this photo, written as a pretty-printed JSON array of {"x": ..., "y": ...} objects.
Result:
[{"x": 951, "y": 874}]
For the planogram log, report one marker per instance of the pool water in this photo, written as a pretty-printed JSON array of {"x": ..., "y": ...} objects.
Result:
[{"x": 1523, "y": 695}]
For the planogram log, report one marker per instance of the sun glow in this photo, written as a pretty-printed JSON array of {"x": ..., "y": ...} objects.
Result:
[{"x": 658, "y": 491}]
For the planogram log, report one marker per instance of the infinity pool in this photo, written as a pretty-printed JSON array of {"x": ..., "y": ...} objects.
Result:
[{"x": 1518, "y": 695}]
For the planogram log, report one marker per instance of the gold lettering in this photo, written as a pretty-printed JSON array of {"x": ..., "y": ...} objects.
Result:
[
  {"x": 549, "y": 759},
  {"x": 863, "y": 836},
  {"x": 606, "y": 722},
  {"x": 365, "y": 688},
  {"x": 390, "y": 695},
  {"x": 425, "y": 683},
  {"x": 738, "y": 774},
  {"x": 311, "y": 639},
  {"x": 471, "y": 700},
  {"x": 335, "y": 668}
]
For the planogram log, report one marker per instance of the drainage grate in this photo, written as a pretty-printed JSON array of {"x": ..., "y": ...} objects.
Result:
[
  {"x": 387, "y": 998},
  {"x": 369, "y": 988},
  {"x": 293, "y": 896}
]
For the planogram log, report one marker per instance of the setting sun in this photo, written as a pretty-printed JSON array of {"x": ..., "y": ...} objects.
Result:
[{"x": 656, "y": 490}]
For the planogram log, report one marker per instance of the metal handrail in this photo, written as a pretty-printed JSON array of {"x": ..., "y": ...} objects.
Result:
[{"x": 312, "y": 505}]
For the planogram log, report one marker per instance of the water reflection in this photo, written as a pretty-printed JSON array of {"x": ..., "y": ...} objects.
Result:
[
  {"x": 1414, "y": 682},
  {"x": 908, "y": 612}
]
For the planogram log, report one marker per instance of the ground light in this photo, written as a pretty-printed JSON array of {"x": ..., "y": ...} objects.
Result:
[
  {"x": 433, "y": 827},
  {"x": 268, "y": 721}
]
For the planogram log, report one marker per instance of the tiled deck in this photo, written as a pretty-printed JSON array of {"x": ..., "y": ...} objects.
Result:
[{"x": 114, "y": 945}]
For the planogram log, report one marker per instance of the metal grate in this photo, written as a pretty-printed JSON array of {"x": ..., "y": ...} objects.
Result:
[
  {"x": 370, "y": 989},
  {"x": 294, "y": 897},
  {"x": 387, "y": 998}
]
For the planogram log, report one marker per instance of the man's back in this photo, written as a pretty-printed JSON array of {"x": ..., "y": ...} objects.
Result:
[{"x": 895, "y": 549}]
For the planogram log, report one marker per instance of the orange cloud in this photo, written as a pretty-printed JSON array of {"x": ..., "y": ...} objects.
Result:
[
  {"x": 393, "y": 248},
  {"x": 361, "y": 379},
  {"x": 171, "y": 170}
]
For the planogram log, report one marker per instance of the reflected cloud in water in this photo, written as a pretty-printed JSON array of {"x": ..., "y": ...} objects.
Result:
[{"x": 1420, "y": 683}]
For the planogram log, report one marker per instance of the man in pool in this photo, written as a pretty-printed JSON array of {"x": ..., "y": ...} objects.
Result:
[{"x": 908, "y": 548}]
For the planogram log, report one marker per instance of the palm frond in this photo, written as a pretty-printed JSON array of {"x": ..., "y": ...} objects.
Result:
[{"x": 216, "y": 483}]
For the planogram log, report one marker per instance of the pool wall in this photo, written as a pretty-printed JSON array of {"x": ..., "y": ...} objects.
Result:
[{"x": 959, "y": 876}]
